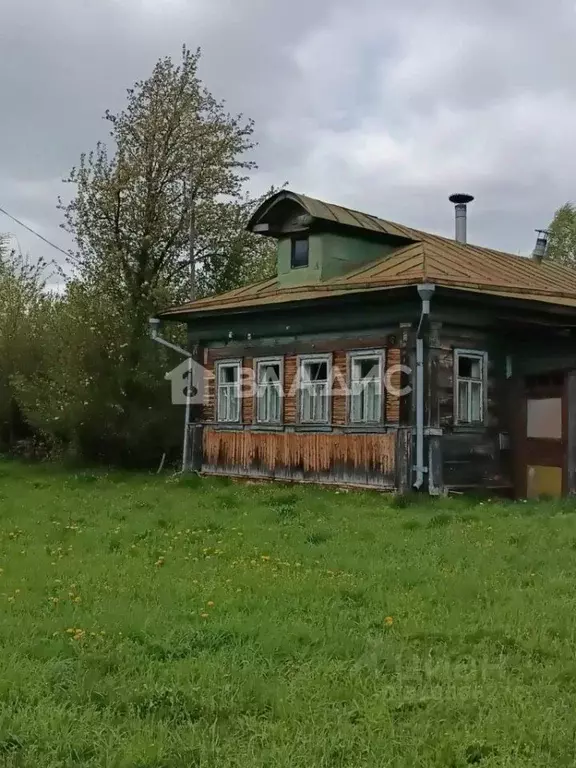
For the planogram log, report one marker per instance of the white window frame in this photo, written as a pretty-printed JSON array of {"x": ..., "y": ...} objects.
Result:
[
  {"x": 483, "y": 358},
  {"x": 262, "y": 361},
  {"x": 237, "y": 416},
  {"x": 353, "y": 357},
  {"x": 302, "y": 361}
]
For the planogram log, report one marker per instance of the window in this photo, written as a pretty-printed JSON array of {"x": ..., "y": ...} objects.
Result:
[
  {"x": 315, "y": 375},
  {"x": 228, "y": 391},
  {"x": 299, "y": 253},
  {"x": 366, "y": 388},
  {"x": 470, "y": 370},
  {"x": 268, "y": 391}
]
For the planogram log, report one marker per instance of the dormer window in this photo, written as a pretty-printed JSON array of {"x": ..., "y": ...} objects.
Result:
[{"x": 299, "y": 252}]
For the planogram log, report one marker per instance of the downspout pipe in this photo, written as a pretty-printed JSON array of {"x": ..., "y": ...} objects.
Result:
[
  {"x": 425, "y": 291},
  {"x": 154, "y": 324}
]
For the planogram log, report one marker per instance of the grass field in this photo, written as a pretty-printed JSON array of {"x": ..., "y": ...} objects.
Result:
[{"x": 161, "y": 623}]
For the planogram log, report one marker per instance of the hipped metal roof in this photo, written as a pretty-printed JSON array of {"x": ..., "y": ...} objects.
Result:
[{"x": 424, "y": 258}]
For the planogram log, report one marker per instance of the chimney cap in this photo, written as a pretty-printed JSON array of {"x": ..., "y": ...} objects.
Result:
[{"x": 460, "y": 198}]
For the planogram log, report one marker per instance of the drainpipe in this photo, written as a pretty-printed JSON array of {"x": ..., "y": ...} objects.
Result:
[
  {"x": 154, "y": 323},
  {"x": 425, "y": 291}
]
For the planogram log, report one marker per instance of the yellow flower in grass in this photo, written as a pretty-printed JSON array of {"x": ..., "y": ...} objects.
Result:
[
  {"x": 388, "y": 621},
  {"x": 210, "y": 603},
  {"x": 204, "y": 615}
]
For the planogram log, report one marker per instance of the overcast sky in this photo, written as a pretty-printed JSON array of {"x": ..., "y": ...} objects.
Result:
[{"x": 383, "y": 106}]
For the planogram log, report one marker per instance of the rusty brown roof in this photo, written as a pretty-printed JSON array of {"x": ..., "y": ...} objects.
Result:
[
  {"x": 429, "y": 258},
  {"x": 345, "y": 216}
]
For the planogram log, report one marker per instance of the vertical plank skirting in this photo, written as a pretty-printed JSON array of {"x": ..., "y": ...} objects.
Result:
[
  {"x": 368, "y": 459},
  {"x": 403, "y": 460}
]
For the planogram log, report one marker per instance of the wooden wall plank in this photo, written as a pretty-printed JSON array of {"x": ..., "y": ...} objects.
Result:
[
  {"x": 290, "y": 394},
  {"x": 367, "y": 459},
  {"x": 209, "y": 396},
  {"x": 247, "y": 391},
  {"x": 339, "y": 405},
  {"x": 394, "y": 379}
]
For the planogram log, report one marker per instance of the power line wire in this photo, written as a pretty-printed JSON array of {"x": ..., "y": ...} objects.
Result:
[{"x": 21, "y": 223}]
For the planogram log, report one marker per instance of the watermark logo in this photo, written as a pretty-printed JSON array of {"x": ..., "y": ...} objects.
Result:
[
  {"x": 188, "y": 382},
  {"x": 191, "y": 383}
]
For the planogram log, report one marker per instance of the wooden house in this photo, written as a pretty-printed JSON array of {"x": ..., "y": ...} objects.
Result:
[{"x": 386, "y": 357}]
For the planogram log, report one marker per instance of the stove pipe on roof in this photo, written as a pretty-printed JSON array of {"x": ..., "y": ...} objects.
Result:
[
  {"x": 460, "y": 201},
  {"x": 541, "y": 245}
]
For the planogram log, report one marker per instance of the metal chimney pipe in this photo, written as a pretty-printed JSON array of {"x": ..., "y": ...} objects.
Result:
[
  {"x": 541, "y": 245},
  {"x": 460, "y": 201}
]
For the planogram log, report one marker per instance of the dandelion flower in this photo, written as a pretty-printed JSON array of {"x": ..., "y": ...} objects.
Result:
[
  {"x": 388, "y": 621},
  {"x": 204, "y": 615},
  {"x": 210, "y": 603}
]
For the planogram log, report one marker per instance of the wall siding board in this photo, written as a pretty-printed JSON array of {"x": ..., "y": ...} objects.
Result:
[
  {"x": 394, "y": 379},
  {"x": 247, "y": 390},
  {"x": 316, "y": 457},
  {"x": 209, "y": 412},
  {"x": 297, "y": 347},
  {"x": 290, "y": 394},
  {"x": 339, "y": 400},
  {"x": 289, "y": 353},
  {"x": 471, "y": 457}
]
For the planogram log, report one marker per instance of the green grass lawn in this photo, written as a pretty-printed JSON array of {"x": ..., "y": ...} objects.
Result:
[{"x": 161, "y": 623}]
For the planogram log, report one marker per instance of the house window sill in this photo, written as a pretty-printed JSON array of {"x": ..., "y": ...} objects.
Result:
[
  {"x": 225, "y": 426},
  {"x": 470, "y": 428}
]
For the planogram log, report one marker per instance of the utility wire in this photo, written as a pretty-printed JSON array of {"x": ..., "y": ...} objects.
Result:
[{"x": 52, "y": 245}]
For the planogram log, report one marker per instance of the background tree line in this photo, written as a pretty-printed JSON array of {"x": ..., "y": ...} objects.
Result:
[{"x": 158, "y": 214}]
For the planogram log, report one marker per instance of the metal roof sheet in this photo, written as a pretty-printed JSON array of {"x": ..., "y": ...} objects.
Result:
[{"x": 428, "y": 257}]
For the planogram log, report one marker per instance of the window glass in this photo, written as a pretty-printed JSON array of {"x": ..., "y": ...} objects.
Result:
[
  {"x": 314, "y": 391},
  {"x": 366, "y": 390},
  {"x": 269, "y": 394},
  {"x": 228, "y": 393},
  {"x": 299, "y": 254},
  {"x": 469, "y": 405}
]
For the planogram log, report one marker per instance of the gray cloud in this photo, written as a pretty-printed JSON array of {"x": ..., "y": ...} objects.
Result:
[{"x": 381, "y": 106}]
